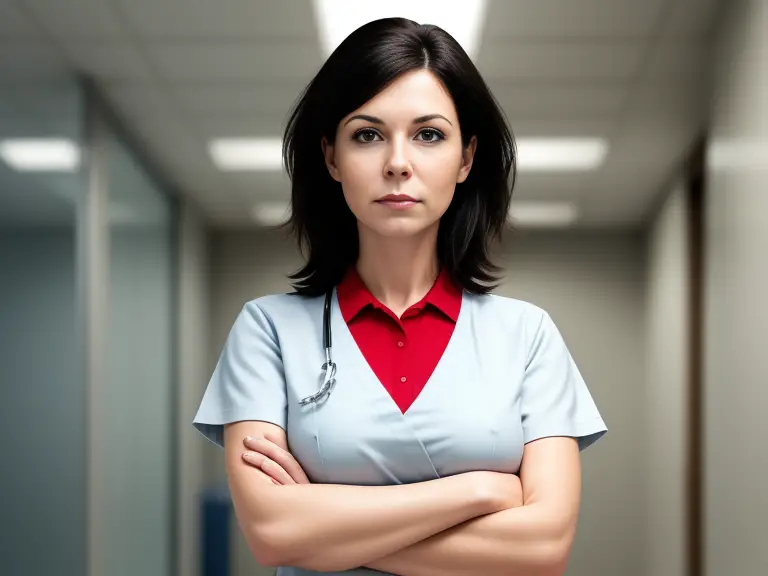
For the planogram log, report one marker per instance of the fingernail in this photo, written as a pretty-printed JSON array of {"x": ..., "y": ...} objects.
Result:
[
  {"x": 247, "y": 455},
  {"x": 249, "y": 438}
]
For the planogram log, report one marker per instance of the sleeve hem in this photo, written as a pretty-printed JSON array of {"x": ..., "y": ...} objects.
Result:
[
  {"x": 212, "y": 427},
  {"x": 586, "y": 432}
]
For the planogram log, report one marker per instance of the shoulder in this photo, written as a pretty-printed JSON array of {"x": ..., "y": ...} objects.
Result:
[
  {"x": 281, "y": 308},
  {"x": 505, "y": 310},
  {"x": 276, "y": 313},
  {"x": 510, "y": 320}
]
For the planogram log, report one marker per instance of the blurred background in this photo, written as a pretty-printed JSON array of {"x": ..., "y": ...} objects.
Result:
[{"x": 140, "y": 177}]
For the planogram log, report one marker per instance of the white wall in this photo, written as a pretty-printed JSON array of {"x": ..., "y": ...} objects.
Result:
[
  {"x": 668, "y": 346},
  {"x": 593, "y": 286},
  {"x": 736, "y": 297},
  {"x": 193, "y": 375}
]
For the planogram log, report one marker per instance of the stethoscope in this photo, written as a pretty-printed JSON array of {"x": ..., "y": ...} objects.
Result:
[{"x": 329, "y": 368}]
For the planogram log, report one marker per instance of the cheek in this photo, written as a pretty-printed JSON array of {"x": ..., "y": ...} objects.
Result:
[
  {"x": 357, "y": 177},
  {"x": 439, "y": 175},
  {"x": 354, "y": 164}
]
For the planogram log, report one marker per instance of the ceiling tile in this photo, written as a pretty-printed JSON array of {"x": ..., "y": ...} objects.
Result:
[
  {"x": 30, "y": 59},
  {"x": 539, "y": 99},
  {"x": 554, "y": 187},
  {"x": 107, "y": 59},
  {"x": 141, "y": 101},
  {"x": 239, "y": 97},
  {"x": 47, "y": 100},
  {"x": 237, "y": 125},
  {"x": 692, "y": 19},
  {"x": 221, "y": 19},
  {"x": 14, "y": 24},
  {"x": 658, "y": 109},
  {"x": 259, "y": 184},
  {"x": 261, "y": 61},
  {"x": 564, "y": 19},
  {"x": 76, "y": 18},
  {"x": 558, "y": 60},
  {"x": 621, "y": 202},
  {"x": 564, "y": 126},
  {"x": 679, "y": 62}
]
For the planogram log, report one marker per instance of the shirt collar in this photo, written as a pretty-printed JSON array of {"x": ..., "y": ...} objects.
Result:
[{"x": 354, "y": 296}]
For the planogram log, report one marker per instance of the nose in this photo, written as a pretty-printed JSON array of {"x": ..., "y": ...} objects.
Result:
[{"x": 398, "y": 164}]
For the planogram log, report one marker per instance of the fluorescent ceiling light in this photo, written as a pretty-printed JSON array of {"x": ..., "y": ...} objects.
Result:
[
  {"x": 560, "y": 154},
  {"x": 271, "y": 213},
  {"x": 337, "y": 19},
  {"x": 243, "y": 154},
  {"x": 40, "y": 154},
  {"x": 543, "y": 214}
]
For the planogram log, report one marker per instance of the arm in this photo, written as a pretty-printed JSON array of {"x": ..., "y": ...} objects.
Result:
[
  {"x": 533, "y": 540},
  {"x": 331, "y": 527}
]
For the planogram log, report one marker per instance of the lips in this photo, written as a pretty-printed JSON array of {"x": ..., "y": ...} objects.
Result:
[
  {"x": 397, "y": 202},
  {"x": 397, "y": 198}
]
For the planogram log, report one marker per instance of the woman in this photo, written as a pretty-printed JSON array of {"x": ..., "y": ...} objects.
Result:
[{"x": 449, "y": 442}]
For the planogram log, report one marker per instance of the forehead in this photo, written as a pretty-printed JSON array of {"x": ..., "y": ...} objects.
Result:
[{"x": 413, "y": 94}]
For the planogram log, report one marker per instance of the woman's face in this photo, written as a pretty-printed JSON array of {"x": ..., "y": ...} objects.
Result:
[{"x": 399, "y": 156}]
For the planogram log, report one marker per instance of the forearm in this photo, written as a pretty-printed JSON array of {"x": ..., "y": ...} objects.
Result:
[
  {"x": 532, "y": 540},
  {"x": 334, "y": 527}
]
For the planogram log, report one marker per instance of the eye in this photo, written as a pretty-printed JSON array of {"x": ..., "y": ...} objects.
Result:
[
  {"x": 366, "y": 135},
  {"x": 431, "y": 135}
]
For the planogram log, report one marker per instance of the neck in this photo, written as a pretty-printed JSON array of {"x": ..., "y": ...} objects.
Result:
[{"x": 398, "y": 271}]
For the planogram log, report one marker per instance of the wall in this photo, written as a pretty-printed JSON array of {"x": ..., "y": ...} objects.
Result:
[
  {"x": 192, "y": 321},
  {"x": 736, "y": 307},
  {"x": 42, "y": 405},
  {"x": 136, "y": 410},
  {"x": 668, "y": 341},
  {"x": 593, "y": 286}
]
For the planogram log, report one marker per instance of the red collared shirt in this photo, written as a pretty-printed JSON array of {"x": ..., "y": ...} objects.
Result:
[{"x": 402, "y": 352}]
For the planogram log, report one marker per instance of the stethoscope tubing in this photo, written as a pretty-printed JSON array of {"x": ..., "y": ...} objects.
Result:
[{"x": 329, "y": 368}]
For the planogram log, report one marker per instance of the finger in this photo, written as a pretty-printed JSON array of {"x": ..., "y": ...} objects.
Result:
[
  {"x": 268, "y": 467},
  {"x": 261, "y": 475},
  {"x": 278, "y": 455}
]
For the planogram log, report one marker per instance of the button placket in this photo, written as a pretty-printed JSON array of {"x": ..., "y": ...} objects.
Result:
[{"x": 402, "y": 358}]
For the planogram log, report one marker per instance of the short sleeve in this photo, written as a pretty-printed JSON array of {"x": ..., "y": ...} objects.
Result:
[
  {"x": 248, "y": 382},
  {"x": 555, "y": 399}
]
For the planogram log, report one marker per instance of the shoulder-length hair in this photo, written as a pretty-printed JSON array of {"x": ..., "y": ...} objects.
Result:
[{"x": 365, "y": 63}]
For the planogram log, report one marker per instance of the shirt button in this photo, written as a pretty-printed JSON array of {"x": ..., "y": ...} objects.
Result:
[
  {"x": 400, "y": 344},
  {"x": 403, "y": 379}
]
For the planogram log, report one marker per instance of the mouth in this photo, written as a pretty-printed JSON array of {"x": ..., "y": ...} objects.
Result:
[{"x": 397, "y": 201}]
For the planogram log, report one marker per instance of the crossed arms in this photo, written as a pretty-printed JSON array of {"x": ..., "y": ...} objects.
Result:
[{"x": 475, "y": 523}]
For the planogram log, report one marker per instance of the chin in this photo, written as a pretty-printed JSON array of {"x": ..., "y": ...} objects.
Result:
[{"x": 401, "y": 227}]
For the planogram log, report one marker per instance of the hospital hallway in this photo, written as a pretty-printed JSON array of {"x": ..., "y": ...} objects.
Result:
[{"x": 141, "y": 186}]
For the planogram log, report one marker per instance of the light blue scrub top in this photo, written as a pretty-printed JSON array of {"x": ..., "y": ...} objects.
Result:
[{"x": 505, "y": 379}]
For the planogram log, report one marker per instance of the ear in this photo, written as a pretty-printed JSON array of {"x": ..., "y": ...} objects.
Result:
[
  {"x": 468, "y": 156},
  {"x": 330, "y": 162}
]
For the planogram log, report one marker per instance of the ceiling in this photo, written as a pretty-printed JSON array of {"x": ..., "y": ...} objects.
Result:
[{"x": 180, "y": 72}]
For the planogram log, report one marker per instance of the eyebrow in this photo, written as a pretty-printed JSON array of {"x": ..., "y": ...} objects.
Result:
[{"x": 419, "y": 120}]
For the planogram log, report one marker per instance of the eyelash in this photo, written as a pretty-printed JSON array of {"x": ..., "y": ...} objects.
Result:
[{"x": 438, "y": 135}]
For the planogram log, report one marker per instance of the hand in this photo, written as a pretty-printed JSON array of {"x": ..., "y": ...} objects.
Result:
[
  {"x": 497, "y": 490},
  {"x": 278, "y": 464}
]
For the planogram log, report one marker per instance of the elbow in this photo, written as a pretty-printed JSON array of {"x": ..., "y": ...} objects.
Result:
[
  {"x": 273, "y": 546},
  {"x": 556, "y": 557},
  {"x": 551, "y": 557},
  {"x": 268, "y": 547}
]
